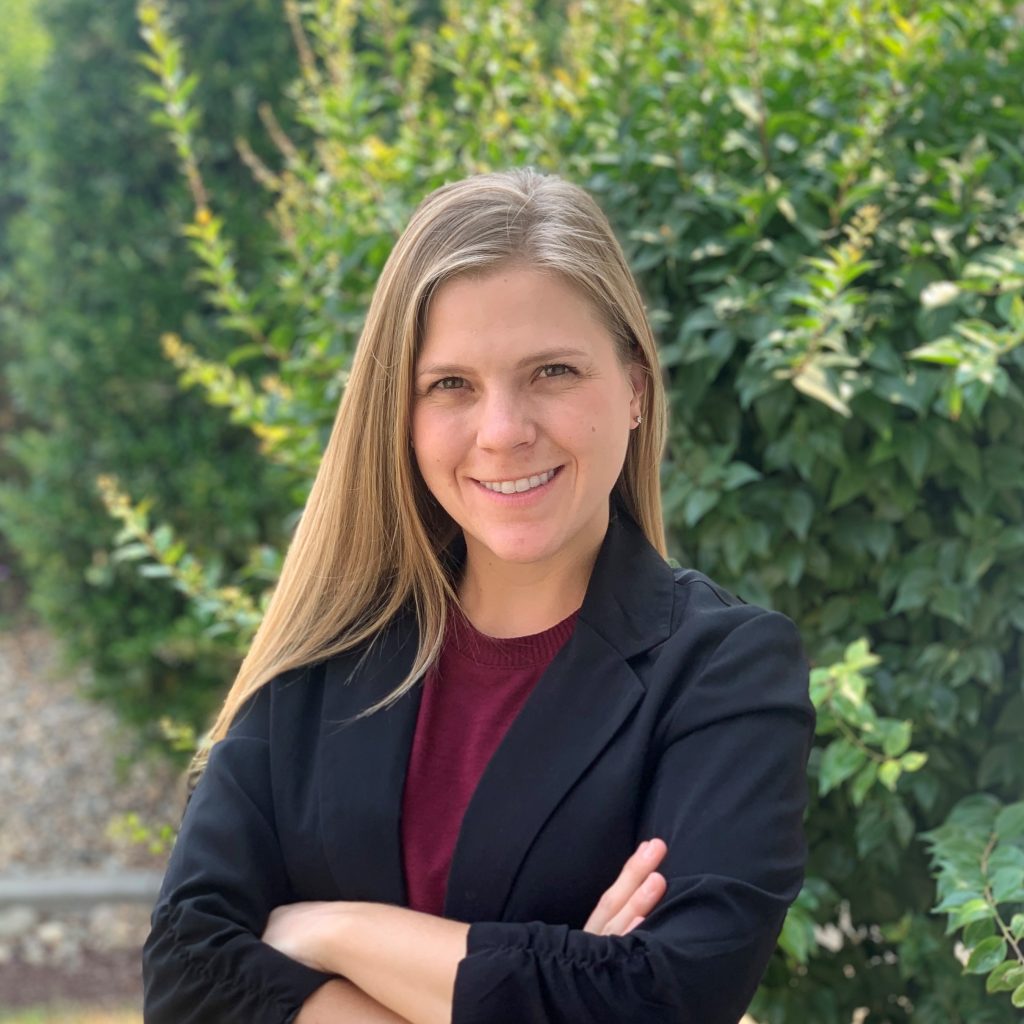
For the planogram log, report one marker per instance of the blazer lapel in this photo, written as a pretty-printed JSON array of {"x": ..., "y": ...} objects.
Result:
[
  {"x": 361, "y": 767},
  {"x": 578, "y": 705}
]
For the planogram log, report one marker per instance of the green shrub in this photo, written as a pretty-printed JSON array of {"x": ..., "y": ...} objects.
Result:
[
  {"x": 23, "y": 49},
  {"x": 825, "y": 204},
  {"x": 96, "y": 271}
]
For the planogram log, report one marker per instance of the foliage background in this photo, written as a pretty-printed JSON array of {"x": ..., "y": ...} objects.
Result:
[
  {"x": 23, "y": 49},
  {"x": 94, "y": 269},
  {"x": 824, "y": 203}
]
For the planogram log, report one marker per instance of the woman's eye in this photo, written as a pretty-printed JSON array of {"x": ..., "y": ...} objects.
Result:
[
  {"x": 557, "y": 370},
  {"x": 447, "y": 384}
]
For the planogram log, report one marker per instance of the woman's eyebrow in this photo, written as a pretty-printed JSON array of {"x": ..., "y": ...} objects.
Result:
[{"x": 547, "y": 356}]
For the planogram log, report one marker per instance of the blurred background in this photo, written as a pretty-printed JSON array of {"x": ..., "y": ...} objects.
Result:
[{"x": 823, "y": 202}]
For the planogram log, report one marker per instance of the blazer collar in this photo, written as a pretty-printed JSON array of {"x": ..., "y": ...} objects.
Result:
[
  {"x": 579, "y": 703},
  {"x": 629, "y": 597}
]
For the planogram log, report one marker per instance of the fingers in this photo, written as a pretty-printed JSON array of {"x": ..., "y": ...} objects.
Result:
[
  {"x": 640, "y": 904},
  {"x": 623, "y": 900}
]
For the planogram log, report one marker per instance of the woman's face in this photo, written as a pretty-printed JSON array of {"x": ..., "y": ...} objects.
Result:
[{"x": 521, "y": 416}]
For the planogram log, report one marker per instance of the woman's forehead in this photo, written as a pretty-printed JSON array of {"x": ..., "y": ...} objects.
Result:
[{"x": 509, "y": 311}]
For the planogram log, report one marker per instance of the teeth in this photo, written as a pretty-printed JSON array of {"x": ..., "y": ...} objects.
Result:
[{"x": 526, "y": 483}]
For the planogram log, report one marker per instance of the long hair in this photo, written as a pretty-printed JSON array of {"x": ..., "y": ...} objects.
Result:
[{"x": 370, "y": 540}]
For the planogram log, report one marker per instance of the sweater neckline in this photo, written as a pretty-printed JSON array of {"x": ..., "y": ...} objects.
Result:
[{"x": 465, "y": 640}]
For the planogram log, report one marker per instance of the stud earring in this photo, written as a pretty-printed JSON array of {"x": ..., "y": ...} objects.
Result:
[{"x": 639, "y": 419}]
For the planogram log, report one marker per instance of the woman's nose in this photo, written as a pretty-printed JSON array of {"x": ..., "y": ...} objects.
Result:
[{"x": 505, "y": 421}]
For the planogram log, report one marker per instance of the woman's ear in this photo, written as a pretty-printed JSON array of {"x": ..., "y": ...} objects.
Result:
[{"x": 638, "y": 382}]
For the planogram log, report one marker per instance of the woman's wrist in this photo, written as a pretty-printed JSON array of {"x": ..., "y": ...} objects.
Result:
[{"x": 316, "y": 933}]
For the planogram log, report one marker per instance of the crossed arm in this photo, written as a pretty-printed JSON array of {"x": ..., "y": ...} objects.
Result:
[{"x": 398, "y": 966}]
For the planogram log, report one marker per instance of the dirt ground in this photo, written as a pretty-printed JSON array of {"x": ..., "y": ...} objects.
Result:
[
  {"x": 61, "y": 788},
  {"x": 102, "y": 981}
]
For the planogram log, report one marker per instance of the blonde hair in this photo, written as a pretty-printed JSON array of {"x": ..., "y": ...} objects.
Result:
[{"x": 370, "y": 539}]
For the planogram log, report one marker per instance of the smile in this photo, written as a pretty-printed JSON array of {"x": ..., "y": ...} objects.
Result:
[{"x": 525, "y": 483}]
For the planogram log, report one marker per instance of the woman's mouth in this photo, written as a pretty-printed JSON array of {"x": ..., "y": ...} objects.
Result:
[{"x": 521, "y": 487}]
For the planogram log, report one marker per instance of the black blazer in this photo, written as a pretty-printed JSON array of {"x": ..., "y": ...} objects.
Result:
[{"x": 674, "y": 710}]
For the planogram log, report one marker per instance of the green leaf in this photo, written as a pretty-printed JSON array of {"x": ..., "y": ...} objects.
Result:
[
  {"x": 799, "y": 513},
  {"x": 889, "y": 774},
  {"x": 1006, "y": 856},
  {"x": 737, "y": 474},
  {"x": 1003, "y": 978},
  {"x": 950, "y": 603},
  {"x": 162, "y": 537},
  {"x": 913, "y": 761},
  {"x": 913, "y": 591},
  {"x": 1013, "y": 310},
  {"x": 944, "y": 351},
  {"x": 1010, "y": 821},
  {"x": 697, "y": 505},
  {"x": 957, "y": 899},
  {"x": 858, "y": 656},
  {"x": 174, "y": 553},
  {"x": 1017, "y": 926},
  {"x": 988, "y": 954},
  {"x": 972, "y": 910},
  {"x": 1018, "y": 997},
  {"x": 130, "y": 553},
  {"x": 897, "y": 739},
  {"x": 818, "y": 384},
  {"x": 840, "y": 760},
  {"x": 872, "y": 829},
  {"x": 1007, "y": 884},
  {"x": 862, "y": 783},
  {"x": 125, "y": 534},
  {"x": 155, "y": 571},
  {"x": 913, "y": 449},
  {"x": 188, "y": 86},
  {"x": 902, "y": 822},
  {"x": 797, "y": 937},
  {"x": 851, "y": 482},
  {"x": 244, "y": 352},
  {"x": 984, "y": 335},
  {"x": 975, "y": 813},
  {"x": 978, "y": 931}
]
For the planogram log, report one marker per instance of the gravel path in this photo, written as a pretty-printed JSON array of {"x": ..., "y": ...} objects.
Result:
[{"x": 67, "y": 773}]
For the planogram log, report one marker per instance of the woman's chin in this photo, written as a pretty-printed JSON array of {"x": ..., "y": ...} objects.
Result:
[{"x": 525, "y": 550}]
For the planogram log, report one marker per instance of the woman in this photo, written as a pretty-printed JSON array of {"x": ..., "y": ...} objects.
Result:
[{"x": 479, "y": 684}]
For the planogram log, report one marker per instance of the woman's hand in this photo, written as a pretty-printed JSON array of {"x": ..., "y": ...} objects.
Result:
[
  {"x": 305, "y": 932},
  {"x": 402, "y": 959},
  {"x": 633, "y": 895}
]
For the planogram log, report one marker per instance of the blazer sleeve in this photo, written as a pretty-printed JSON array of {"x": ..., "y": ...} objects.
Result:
[
  {"x": 204, "y": 962},
  {"x": 728, "y": 796}
]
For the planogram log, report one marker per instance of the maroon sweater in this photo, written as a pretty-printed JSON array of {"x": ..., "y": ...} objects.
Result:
[{"x": 471, "y": 695}]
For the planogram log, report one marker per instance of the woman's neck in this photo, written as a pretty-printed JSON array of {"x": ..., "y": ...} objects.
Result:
[{"x": 503, "y": 600}]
